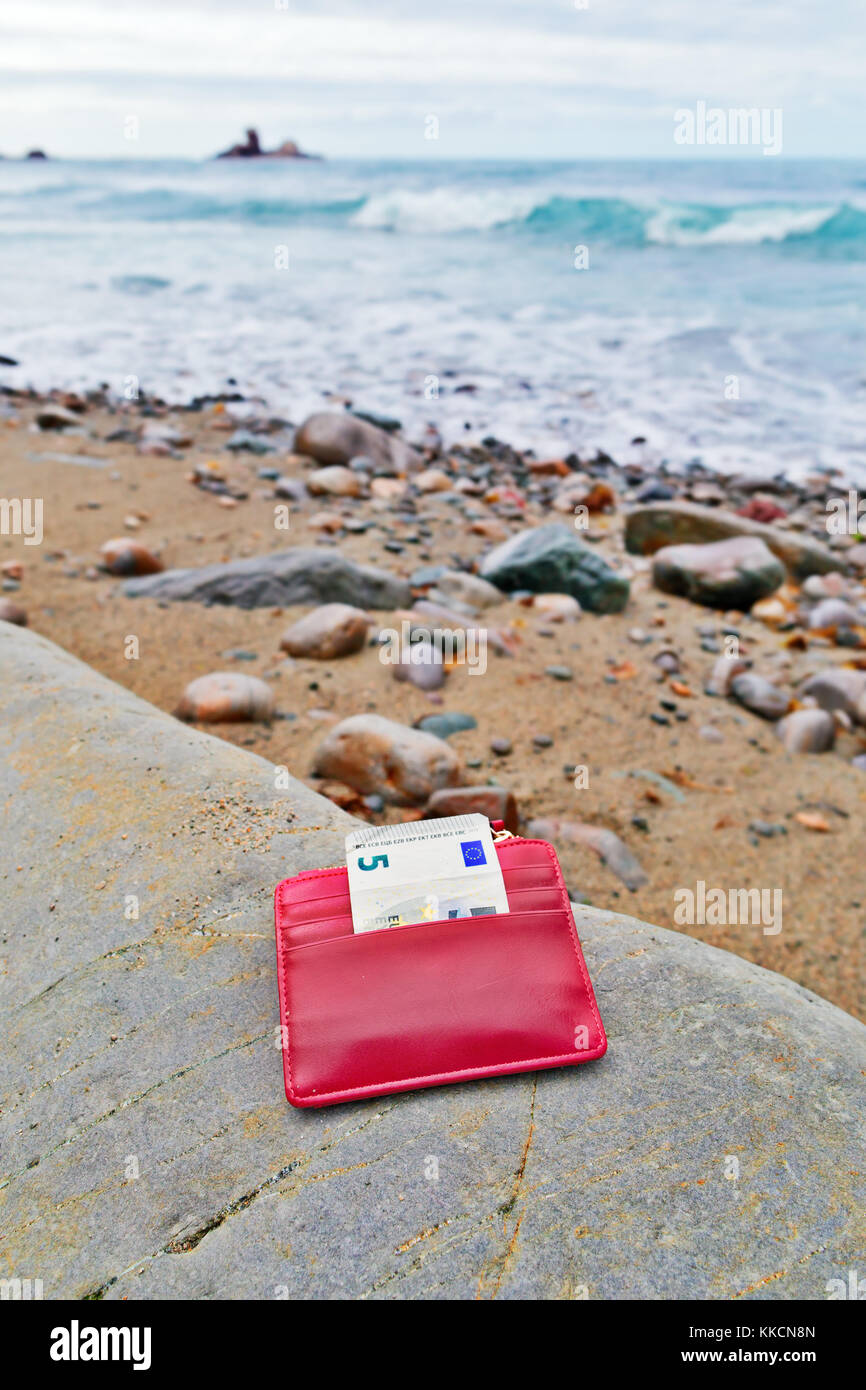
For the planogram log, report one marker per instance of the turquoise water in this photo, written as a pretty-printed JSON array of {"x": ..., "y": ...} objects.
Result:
[{"x": 717, "y": 313}]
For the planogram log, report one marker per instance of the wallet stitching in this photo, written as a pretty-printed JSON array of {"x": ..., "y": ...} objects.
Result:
[{"x": 377, "y": 1086}]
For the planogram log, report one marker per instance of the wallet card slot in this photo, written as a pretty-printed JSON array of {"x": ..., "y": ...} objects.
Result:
[
  {"x": 309, "y": 914},
  {"x": 350, "y": 933},
  {"x": 299, "y": 914}
]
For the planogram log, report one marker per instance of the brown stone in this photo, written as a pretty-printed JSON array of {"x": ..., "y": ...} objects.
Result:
[
  {"x": 12, "y": 613},
  {"x": 496, "y": 803},
  {"x": 330, "y": 631},
  {"x": 376, "y": 755},
  {"x": 335, "y": 481},
  {"x": 226, "y": 697},
  {"x": 331, "y": 437}
]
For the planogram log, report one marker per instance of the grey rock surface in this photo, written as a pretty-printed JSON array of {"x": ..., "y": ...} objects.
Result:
[
  {"x": 308, "y": 574},
  {"x": 147, "y": 1149}
]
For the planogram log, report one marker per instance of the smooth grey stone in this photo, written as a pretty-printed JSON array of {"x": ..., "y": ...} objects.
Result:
[
  {"x": 732, "y": 573},
  {"x": 760, "y": 695},
  {"x": 306, "y": 575},
  {"x": 657, "y": 524}
]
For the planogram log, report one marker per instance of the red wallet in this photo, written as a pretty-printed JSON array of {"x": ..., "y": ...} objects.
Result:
[{"x": 405, "y": 1007}]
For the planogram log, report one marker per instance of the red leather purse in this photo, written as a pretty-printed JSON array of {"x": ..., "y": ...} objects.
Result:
[{"x": 406, "y": 1007}]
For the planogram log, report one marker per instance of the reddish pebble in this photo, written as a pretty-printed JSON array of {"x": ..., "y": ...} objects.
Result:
[
  {"x": 125, "y": 556},
  {"x": 11, "y": 613}
]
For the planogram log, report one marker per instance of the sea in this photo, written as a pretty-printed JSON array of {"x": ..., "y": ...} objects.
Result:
[{"x": 671, "y": 311}]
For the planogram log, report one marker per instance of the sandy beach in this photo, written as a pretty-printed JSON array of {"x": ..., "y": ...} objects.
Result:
[{"x": 710, "y": 794}]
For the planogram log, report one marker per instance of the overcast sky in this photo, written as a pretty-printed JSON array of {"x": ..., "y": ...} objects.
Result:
[{"x": 542, "y": 78}]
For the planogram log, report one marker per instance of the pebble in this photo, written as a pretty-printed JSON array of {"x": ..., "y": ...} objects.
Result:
[
  {"x": 160, "y": 440},
  {"x": 608, "y": 846},
  {"x": 126, "y": 557},
  {"x": 501, "y": 747},
  {"x": 552, "y": 559},
  {"x": 333, "y": 437},
  {"x": 378, "y": 756},
  {"x": 293, "y": 489},
  {"x": 820, "y": 586},
  {"x": 332, "y": 630},
  {"x": 838, "y": 688},
  {"x": 732, "y": 573},
  {"x": 833, "y": 612},
  {"x": 335, "y": 481},
  {"x": 496, "y": 803},
  {"x": 12, "y": 613},
  {"x": 760, "y": 695},
  {"x": 723, "y": 673},
  {"x": 807, "y": 731},
  {"x": 772, "y": 612},
  {"x": 424, "y": 669},
  {"x": 243, "y": 441},
  {"x": 543, "y": 741},
  {"x": 433, "y": 480},
  {"x": 490, "y": 528},
  {"x": 387, "y": 489},
  {"x": 653, "y": 490},
  {"x": 557, "y": 608},
  {"x": 761, "y": 508},
  {"x": 447, "y": 723},
  {"x": 325, "y": 521},
  {"x": 56, "y": 417},
  {"x": 455, "y": 586},
  {"x": 767, "y": 829},
  {"x": 226, "y": 697},
  {"x": 559, "y": 673}
]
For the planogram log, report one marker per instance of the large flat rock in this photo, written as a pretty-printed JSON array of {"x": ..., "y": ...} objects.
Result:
[
  {"x": 307, "y": 574},
  {"x": 147, "y": 1149}
]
